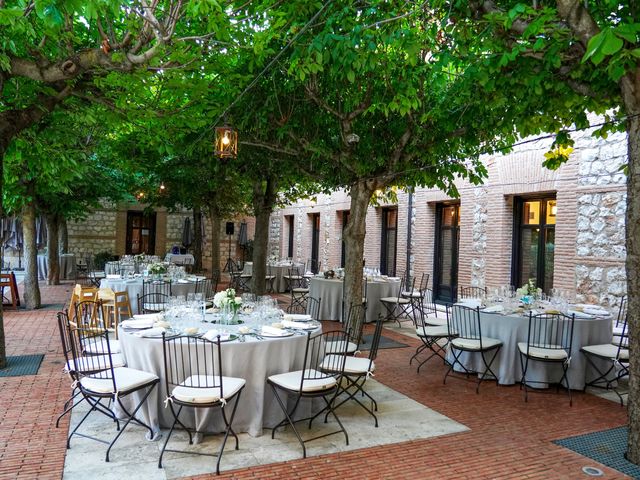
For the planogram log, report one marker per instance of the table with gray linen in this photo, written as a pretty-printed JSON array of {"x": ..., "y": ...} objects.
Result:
[
  {"x": 180, "y": 259},
  {"x": 330, "y": 293},
  {"x": 67, "y": 266},
  {"x": 254, "y": 360},
  {"x": 512, "y": 329},
  {"x": 279, "y": 271},
  {"x": 133, "y": 286}
]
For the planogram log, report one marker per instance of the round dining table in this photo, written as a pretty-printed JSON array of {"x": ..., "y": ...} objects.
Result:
[
  {"x": 133, "y": 287},
  {"x": 254, "y": 359},
  {"x": 67, "y": 266},
  {"x": 329, "y": 290},
  {"x": 512, "y": 329}
]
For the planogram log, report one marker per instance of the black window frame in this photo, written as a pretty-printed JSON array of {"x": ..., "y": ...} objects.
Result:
[
  {"x": 343, "y": 253},
  {"x": 290, "y": 219},
  {"x": 385, "y": 231},
  {"x": 439, "y": 294}
]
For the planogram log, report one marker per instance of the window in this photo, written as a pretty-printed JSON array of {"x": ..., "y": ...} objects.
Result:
[
  {"x": 534, "y": 242},
  {"x": 315, "y": 242},
  {"x": 389, "y": 241},
  {"x": 141, "y": 233},
  {"x": 345, "y": 220},
  {"x": 289, "y": 221},
  {"x": 445, "y": 274}
]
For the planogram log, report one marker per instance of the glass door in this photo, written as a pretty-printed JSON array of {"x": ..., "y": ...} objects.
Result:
[
  {"x": 534, "y": 242},
  {"x": 445, "y": 275},
  {"x": 388, "y": 245},
  {"x": 315, "y": 242},
  {"x": 141, "y": 233}
]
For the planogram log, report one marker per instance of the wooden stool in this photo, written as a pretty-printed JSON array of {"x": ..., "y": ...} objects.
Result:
[
  {"x": 12, "y": 299},
  {"x": 117, "y": 309}
]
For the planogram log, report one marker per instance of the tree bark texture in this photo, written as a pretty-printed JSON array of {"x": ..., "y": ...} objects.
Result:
[
  {"x": 354, "y": 234},
  {"x": 631, "y": 98},
  {"x": 31, "y": 287},
  {"x": 3, "y": 350},
  {"x": 215, "y": 238},
  {"x": 197, "y": 239},
  {"x": 53, "y": 250},
  {"x": 264, "y": 198},
  {"x": 63, "y": 236}
]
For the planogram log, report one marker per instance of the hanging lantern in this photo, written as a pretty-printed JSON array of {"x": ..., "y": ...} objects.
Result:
[{"x": 226, "y": 142}]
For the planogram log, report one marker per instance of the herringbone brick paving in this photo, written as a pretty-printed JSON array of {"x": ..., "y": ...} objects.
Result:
[{"x": 508, "y": 438}]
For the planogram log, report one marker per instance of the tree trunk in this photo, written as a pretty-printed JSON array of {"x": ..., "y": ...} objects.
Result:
[
  {"x": 264, "y": 198},
  {"x": 4, "y": 143},
  {"x": 63, "y": 236},
  {"x": 353, "y": 236},
  {"x": 53, "y": 252},
  {"x": 197, "y": 239},
  {"x": 31, "y": 287},
  {"x": 631, "y": 98},
  {"x": 215, "y": 238}
]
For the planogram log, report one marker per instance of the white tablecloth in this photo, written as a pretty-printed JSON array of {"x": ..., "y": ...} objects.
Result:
[
  {"x": 512, "y": 329},
  {"x": 133, "y": 287},
  {"x": 330, "y": 293},
  {"x": 186, "y": 259},
  {"x": 252, "y": 360},
  {"x": 67, "y": 266}
]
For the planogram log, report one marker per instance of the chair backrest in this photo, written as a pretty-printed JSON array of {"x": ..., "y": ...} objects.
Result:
[
  {"x": 89, "y": 313},
  {"x": 192, "y": 361},
  {"x": 156, "y": 286},
  {"x": 427, "y": 304},
  {"x": 313, "y": 307},
  {"x": 215, "y": 279},
  {"x": 464, "y": 322},
  {"x": 472, "y": 292},
  {"x": 355, "y": 322},
  {"x": 622, "y": 312},
  {"x": 424, "y": 281},
  {"x": 93, "y": 366},
  {"x": 152, "y": 302},
  {"x": 375, "y": 340},
  {"x": 622, "y": 340},
  {"x": 551, "y": 331},
  {"x": 409, "y": 285},
  {"x": 315, "y": 355},
  {"x": 66, "y": 338}
]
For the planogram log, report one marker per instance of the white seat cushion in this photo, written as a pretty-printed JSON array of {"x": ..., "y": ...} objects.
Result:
[
  {"x": 300, "y": 290},
  {"x": 352, "y": 365},
  {"x": 188, "y": 392},
  {"x": 607, "y": 350},
  {"x": 414, "y": 294},
  {"x": 474, "y": 344},
  {"x": 395, "y": 300},
  {"x": 94, "y": 363},
  {"x": 338, "y": 347},
  {"x": 618, "y": 330},
  {"x": 127, "y": 379},
  {"x": 100, "y": 348},
  {"x": 435, "y": 321},
  {"x": 291, "y": 381},
  {"x": 556, "y": 353},
  {"x": 432, "y": 331}
]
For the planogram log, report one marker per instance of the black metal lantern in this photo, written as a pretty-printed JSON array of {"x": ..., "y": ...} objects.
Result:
[{"x": 226, "y": 142}]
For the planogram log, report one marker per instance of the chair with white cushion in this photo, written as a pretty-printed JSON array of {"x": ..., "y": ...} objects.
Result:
[
  {"x": 98, "y": 381},
  {"x": 312, "y": 382},
  {"x": 549, "y": 341},
  {"x": 356, "y": 372},
  {"x": 397, "y": 307},
  {"x": 610, "y": 361},
  {"x": 353, "y": 328},
  {"x": 621, "y": 319},
  {"x": 435, "y": 339},
  {"x": 465, "y": 331},
  {"x": 89, "y": 314},
  {"x": 195, "y": 379}
]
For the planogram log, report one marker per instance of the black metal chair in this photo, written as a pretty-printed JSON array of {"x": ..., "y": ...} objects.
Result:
[
  {"x": 435, "y": 339},
  {"x": 472, "y": 292},
  {"x": 294, "y": 278},
  {"x": 194, "y": 378},
  {"x": 156, "y": 286},
  {"x": 98, "y": 381},
  {"x": 465, "y": 332},
  {"x": 208, "y": 286},
  {"x": 311, "y": 382},
  {"x": 313, "y": 307},
  {"x": 354, "y": 326},
  {"x": 397, "y": 307},
  {"x": 299, "y": 292},
  {"x": 610, "y": 361},
  {"x": 549, "y": 340},
  {"x": 621, "y": 319},
  {"x": 356, "y": 372},
  {"x": 153, "y": 302}
]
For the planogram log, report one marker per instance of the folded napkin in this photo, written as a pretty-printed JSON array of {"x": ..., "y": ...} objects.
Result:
[
  {"x": 156, "y": 317},
  {"x": 601, "y": 312},
  {"x": 182, "y": 280},
  {"x": 494, "y": 309},
  {"x": 151, "y": 332},
  {"x": 212, "y": 336},
  {"x": 212, "y": 310},
  {"x": 113, "y": 276},
  {"x": 297, "y": 317},
  {"x": 579, "y": 314},
  {"x": 135, "y": 323},
  {"x": 292, "y": 324},
  {"x": 273, "y": 331}
]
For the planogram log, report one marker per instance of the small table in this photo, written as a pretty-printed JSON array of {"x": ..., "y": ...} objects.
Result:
[{"x": 67, "y": 266}]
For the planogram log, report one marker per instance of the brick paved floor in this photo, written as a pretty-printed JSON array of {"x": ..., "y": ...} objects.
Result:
[{"x": 508, "y": 438}]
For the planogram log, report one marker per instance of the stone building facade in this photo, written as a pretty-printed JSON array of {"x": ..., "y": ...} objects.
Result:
[{"x": 588, "y": 251}]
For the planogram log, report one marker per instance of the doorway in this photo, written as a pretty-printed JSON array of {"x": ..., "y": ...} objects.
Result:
[
  {"x": 445, "y": 275},
  {"x": 141, "y": 233}
]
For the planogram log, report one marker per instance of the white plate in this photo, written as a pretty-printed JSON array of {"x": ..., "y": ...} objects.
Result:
[{"x": 266, "y": 335}]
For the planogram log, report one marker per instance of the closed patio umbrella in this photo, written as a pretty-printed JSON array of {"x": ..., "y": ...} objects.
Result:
[
  {"x": 41, "y": 232},
  {"x": 242, "y": 236},
  {"x": 15, "y": 239},
  {"x": 187, "y": 234}
]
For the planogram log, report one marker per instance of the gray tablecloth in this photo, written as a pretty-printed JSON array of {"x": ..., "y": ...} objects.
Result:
[
  {"x": 330, "y": 293},
  {"x": 67, "y": 266},
  {"x": 186, "y": 259},
  {"x": 279, "y": 271},
  {"x": 512, "y": 329},
  {"x": 134, "y": 288},
  {"x": 253, "y": 360}
]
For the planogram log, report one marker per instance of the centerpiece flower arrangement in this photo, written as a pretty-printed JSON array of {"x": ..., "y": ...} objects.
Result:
[
  {"x": 227, "y": 298},
  {"x": 157, "y": 269},
  {"x": 528, "y": 292},
  {"x": 140, "y": 258}
]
